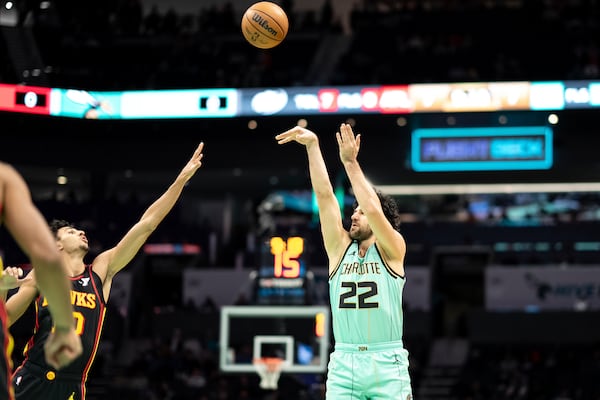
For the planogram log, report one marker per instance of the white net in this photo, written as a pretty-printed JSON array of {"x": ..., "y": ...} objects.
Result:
[{"x": 269, "y": 371}]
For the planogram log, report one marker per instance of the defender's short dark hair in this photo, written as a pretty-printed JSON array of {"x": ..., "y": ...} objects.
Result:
[{"x": 56, "y": 224}]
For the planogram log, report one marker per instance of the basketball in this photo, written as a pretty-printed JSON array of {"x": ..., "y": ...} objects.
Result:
[{"x": 264, "y": 25}]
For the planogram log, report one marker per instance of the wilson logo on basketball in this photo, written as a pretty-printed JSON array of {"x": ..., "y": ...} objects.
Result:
[{"x": 264, "y": 24}]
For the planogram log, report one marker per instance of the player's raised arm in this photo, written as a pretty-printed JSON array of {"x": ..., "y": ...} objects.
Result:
[
  {"x": 111, "y": 261},
  {"x": 335, "y": 237},
  {"x": 387, "y": 235}
]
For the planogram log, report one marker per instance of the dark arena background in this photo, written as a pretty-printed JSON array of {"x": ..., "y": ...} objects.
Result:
[{"x": 480, "y": 117}]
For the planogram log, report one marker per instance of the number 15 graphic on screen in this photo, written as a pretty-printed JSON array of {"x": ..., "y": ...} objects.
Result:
[{"x": 286, "y": 263}]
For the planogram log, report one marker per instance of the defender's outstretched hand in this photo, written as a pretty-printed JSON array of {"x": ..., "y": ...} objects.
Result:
[
  {"x": 297, "y": 134},
  {"x": 195, "y": 162},
  {"x": 348, "y": 143}
]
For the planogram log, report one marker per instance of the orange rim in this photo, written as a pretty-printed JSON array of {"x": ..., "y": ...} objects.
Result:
[{"x": 272, "y": 363}]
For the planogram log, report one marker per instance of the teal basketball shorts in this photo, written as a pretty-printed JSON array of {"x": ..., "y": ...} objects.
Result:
[{"x": 368, "y": 372}]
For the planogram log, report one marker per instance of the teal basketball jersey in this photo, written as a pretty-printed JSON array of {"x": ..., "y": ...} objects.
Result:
[{"x": 366, "y": 298}]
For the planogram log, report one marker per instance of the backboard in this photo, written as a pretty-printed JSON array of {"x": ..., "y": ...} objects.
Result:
[{"x": 297, "y": 334}]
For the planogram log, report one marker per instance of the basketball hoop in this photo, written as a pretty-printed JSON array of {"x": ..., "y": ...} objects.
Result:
[{"x": 269, "y": 371}]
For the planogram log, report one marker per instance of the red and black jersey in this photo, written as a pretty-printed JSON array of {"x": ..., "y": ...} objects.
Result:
[{"x": 89, "y": 308}]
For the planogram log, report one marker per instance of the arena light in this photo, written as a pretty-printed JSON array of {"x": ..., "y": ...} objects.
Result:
[{"x": 9, "y": 15}]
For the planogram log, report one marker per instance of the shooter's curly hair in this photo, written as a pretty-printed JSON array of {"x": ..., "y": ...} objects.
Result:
[{"x": 389, "y": 207}]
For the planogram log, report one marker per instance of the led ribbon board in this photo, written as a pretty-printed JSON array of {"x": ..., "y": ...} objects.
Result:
[
  {"x": 481, "y": 149},
  {"x": 145, "y": 104}
]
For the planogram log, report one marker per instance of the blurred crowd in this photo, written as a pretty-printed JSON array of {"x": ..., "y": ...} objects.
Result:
[
  {"x": 532, "y": 372},
  {"x": 127, "y": 44},
  {"x": 525, "y": 228}
]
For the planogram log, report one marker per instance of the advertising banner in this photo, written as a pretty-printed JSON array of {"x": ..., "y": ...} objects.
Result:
[{"x": 542, "y": 288}]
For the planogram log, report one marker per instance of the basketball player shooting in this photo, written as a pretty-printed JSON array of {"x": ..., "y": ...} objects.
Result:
[{"x": 366, "y": 278}]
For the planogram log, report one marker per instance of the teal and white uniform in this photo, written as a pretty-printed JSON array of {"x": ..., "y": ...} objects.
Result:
[{"x": 369, "y": 360}]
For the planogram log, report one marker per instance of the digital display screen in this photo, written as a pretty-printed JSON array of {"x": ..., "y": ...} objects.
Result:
[
  {"x": 30, "y": 99},
  {"x": 479, "y": 149},
  {"x": 281, "y": 276},
  {"x": 282, "y": 258}
]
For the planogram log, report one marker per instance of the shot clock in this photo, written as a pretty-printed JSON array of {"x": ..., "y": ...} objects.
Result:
[{"x": 282, "y": 273}]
